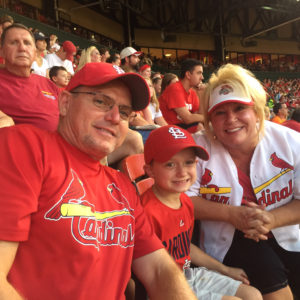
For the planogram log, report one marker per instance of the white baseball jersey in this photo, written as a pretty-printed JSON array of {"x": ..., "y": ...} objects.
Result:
[{"x": 274, "y": 175}]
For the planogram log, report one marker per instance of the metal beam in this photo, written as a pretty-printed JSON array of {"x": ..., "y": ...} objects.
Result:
[
  {"x": 271, "y": 28},
  {"x": 86, "y": 5}
]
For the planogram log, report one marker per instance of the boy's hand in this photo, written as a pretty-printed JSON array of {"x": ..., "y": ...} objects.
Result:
[{"x": 237, "y": 274}]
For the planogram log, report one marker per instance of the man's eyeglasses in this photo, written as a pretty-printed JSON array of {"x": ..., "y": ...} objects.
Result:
[{"x": 105, "y": 104}]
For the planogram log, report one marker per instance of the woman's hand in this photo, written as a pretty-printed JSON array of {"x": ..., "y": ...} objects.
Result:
[{"x": 253, "y": 220}]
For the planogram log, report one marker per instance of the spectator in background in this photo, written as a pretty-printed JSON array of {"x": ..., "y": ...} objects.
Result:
[
  {"x": 53, "y": 45},
  {"x": 25, "y": 97},
  {"x": 145, "y": 71},
  {"x": 115, "y": 59},
  {"x": 63, "y": 57},
  {"x": 88, "y": 55},
  {"x": 294, "y": 122},
  {"x": 156, "y": 75},
  {"x": 5, "y": 21},
  {"x": 157, "y": 86},
  {"x": 59, "y": 76},
  {"x": 40, "y": 65},
  {"x": 281, "y": 112},
  {"x": 130, "y": 59},
  {"x": 157, "y": 116},
  {"x": 179, "y": 102},
  {"x": 168, "y": 78},
  {"x": 104, "y": 53}
]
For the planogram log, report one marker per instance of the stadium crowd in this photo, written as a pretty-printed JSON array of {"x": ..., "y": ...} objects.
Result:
[{"x": 73, "y": 227}]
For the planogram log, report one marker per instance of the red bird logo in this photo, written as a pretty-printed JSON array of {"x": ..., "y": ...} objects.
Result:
[
  {"x": 280, "y": 163},
  {"x": 74, "y": 194},
  {"x": 206, "y": 178}
]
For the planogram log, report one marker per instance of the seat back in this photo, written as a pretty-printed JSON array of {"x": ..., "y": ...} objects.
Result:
[{"x": 133, "y": 167}]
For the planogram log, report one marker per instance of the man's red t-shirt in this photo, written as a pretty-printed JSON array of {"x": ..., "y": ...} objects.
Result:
[
  {"x": 29, "y": 100},
  {"x": 79, "y": 224},
  {"x": 175, "y": 96}
]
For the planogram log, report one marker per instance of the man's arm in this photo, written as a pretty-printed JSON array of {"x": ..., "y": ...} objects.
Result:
[
  {"x": 7, "y": 255},
  {"x": 5, "y": 120},
  {"x": 201, "y": 259},
  {"x": 187, "y": 117},
  {"x": 161, "y": 277}
]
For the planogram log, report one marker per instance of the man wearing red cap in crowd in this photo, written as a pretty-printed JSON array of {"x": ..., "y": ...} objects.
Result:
[
  {"x": 130, "y": 59},
  {"x": 25, "y": 97},
  {"x": 63, "y": 57},
  {"x": 73, "y": 226}
]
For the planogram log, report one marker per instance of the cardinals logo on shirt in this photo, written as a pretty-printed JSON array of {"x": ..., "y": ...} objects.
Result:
[
  {"x": 92, "y": 227},
  {"x": 269, "y": 196},
  {"x": 48, "y": 95},
  {"x": 280, "y": 163},
  {"x": 213, "y": 189}
]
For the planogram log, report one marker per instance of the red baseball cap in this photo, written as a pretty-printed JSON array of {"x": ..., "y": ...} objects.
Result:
[
  {"x": 99, "y": 73},
  {"x": 70, "y": 48},
  {"x": 164, "y": 142}
]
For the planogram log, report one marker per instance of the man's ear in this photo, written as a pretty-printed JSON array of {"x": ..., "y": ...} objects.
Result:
[
  {"x": 64, "y": 100},
  {"x": 148, "y": 170},
  {"x": 35, "y": 54},
  {"x": 188, "y": 74}
]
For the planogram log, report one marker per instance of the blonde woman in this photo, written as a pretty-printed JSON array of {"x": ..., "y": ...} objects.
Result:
[
  {"x": 247, "y": 195},
  {"x": 88, "y": 55},
  {"x": 157, "y": 116}
]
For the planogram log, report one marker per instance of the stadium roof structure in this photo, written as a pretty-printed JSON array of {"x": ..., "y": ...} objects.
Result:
[{"x": 255, "y": 18}]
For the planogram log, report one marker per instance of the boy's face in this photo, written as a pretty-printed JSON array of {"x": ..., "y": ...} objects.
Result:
[
  {"x": 177, "y": 174},
  {"x": 62, "y": 78}
]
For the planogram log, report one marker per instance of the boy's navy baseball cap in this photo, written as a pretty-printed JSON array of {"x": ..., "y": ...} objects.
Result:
[
  {"x": 99, "y": 73},
  {"x": 164, "y": 142}
]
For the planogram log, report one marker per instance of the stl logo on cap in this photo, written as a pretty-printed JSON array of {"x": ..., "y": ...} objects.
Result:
[
  {"x": 118, "y": 69},
  {"x": 225, "y": 89},
  {"x": 177, "y": 133}
]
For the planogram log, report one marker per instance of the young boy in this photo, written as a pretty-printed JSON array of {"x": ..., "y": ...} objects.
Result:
[
  {"x": 59, "y": 75},
  {"x": 170, "y": 157}
]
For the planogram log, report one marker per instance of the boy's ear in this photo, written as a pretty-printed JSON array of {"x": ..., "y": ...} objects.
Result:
[
  {"x": 54, "y": 79},
  {"x": 148, "y": 170}
]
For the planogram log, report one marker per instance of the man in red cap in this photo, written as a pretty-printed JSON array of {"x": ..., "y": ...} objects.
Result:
[
  {"x": 73, "y": 226},
  {"x": 63, "y": 57}
]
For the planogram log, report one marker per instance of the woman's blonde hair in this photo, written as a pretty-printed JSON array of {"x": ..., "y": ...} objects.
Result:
[
  {"x": 85, "y": 57},
  {"x": 236, "y": 75},
  {"x": 153, "y": 98}
]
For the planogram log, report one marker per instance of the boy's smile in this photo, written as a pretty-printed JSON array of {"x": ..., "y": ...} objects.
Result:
[{"x": 177, "y": 174}]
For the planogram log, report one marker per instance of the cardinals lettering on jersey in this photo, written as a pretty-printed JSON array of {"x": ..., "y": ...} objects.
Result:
[
  {"x": 90, "y": 227},
  {"x": 179, "y": 246}
]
